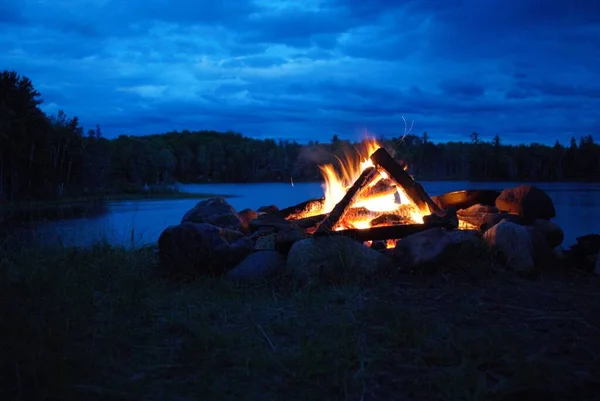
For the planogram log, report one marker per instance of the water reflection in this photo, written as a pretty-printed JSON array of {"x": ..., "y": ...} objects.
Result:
[{"x": 141, "y": 222}]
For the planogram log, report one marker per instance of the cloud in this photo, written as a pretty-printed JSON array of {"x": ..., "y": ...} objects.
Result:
[{"x": 308, "y": 69}]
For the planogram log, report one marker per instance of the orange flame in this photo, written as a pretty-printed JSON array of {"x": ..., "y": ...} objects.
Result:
[{"x": 337, "y": 184}]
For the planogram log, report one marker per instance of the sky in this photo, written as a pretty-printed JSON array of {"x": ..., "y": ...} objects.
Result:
[{"x": 527, "y": 70}]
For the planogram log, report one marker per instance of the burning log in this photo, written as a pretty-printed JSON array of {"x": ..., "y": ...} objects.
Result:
[
  {"x": 381, "y": 233},
  {"x": 366, "y": 177},
  {"x": 382, "y": 159},
  {"x": 382, "y": 188},
  {"x": 302, "y": 209},
  {"x": 388, "y": 219}
]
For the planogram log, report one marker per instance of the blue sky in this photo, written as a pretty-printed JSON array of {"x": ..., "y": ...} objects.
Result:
[{"x": 528, "y": 70}]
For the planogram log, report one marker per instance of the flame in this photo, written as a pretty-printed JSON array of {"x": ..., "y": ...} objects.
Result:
[{"x": 336, "y": 184}]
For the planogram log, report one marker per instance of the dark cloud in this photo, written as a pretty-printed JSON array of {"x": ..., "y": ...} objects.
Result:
[{"x": 306, "y": 69}]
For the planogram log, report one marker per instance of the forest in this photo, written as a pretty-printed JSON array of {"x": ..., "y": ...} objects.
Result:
[{"x": 53, "y": 156}]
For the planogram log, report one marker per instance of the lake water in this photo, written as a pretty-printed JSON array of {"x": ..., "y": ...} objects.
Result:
[{"x": 141, "y": 222}]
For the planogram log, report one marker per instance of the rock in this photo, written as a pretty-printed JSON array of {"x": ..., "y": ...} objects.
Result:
[
  {"x": 527, "y": 201},
  {"x": 287, "y": 236},
  {"x": 597, "y": 266},
  {"x": 215, "y": 211},
  {"x": 201, "y": 248},
  {"x": 429, "y": 246},
  {"x": 491, "y": 219},
  {"x": 267, "y": 242},
  {"x": 257, "y": 266},
  {"x": 551, "y": 231},
  {"x": 513, "y": 243},
  {"x": 334, "y": 257},
  {"x": 543, "y": 254},
  {"x": 268, "y": 209},
  {"x": 270, "y": 220},
  {"x": 246, "y": 216},
  {"x": 476, "y": 215}
]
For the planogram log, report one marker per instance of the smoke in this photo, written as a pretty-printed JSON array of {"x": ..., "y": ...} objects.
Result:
[{"x": 314, "y": 155}]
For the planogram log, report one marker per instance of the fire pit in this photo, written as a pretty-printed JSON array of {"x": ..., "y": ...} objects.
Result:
[
  {"x": 372, "y": 210},
  {"x": 373, "y": 199}
]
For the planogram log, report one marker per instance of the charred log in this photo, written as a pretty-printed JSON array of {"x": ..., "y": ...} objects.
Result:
[
  {"x": 310, "y": 207},
  {"x": 307, "y": 223},
  {"x": 366, "y": 177},
  {"x": 381, "y": 233},
  {"x": 415, "y": 191}
]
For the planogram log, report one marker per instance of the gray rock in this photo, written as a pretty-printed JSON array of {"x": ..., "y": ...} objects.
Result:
[
  {"x": 266, "y": 242},
  {"x": 551, "y": 231},
  {"x": 429, "y": 246},
  {"x": 201, "y": 248},
  {"x": 333, "y": 256},
  {"x": 257, "y": 266},
  {"x": 597, "y": 266},
  {"x": 514, "y": 244},
  {"x": 215, "y": 211}
]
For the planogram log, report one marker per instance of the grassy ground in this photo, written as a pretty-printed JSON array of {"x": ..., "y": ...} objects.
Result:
[{"x": 104, "y": 324}]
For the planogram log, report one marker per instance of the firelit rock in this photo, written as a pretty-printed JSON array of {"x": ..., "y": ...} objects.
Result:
[
  {"x": 246, "y": 216},
  {"x": 201, "y": 248},
  {"x": 333, "y": 257},
  {"x": 527, "y": 201},
  {"x": 257, "y": 266},
  {"x": 215, "y": 211},
  {"x": 429, "y": 246},
  {"x": 491, "y": 219},
  {"x": 514, "y": 244}
]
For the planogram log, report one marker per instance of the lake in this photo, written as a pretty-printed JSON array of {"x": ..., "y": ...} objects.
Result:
[{"x": 136, "y": 223}]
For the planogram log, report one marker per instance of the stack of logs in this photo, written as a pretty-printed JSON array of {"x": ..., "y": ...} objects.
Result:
[{"x": 383, "y": 226}]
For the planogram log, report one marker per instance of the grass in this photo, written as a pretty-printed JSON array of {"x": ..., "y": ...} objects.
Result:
[{"x": 105, "y": 324}]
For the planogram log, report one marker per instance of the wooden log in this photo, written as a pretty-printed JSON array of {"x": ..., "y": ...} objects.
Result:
[
  {"x": 415, "y": 191},
  {"x": 366, "y": 177},
  {"x": 310, "y": 207},
  {"x": 381, "y": 233},
  {"x": 382, "y": 188},
  {"x": 310, "y": 222},
  {"x": 388, "y": 219}
]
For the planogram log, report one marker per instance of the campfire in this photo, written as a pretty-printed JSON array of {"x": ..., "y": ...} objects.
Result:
[{"x": 371, "y": 197}]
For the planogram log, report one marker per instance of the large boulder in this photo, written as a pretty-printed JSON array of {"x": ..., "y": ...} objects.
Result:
[
  {"x": 215, "y": 211},
  {"x": 527, "y": 201},
  {"x": 201, "y": 248},
  {"x": 551, "y": 231},
  {"x": 514, "y": 244},
  {"x": 333, "y": 257},
  {"x": 429, "y": 246},
  {"x": 257, "y": 266}
]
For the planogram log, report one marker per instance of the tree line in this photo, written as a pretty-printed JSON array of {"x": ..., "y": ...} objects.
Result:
[{"x": 49, "y": 156}]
